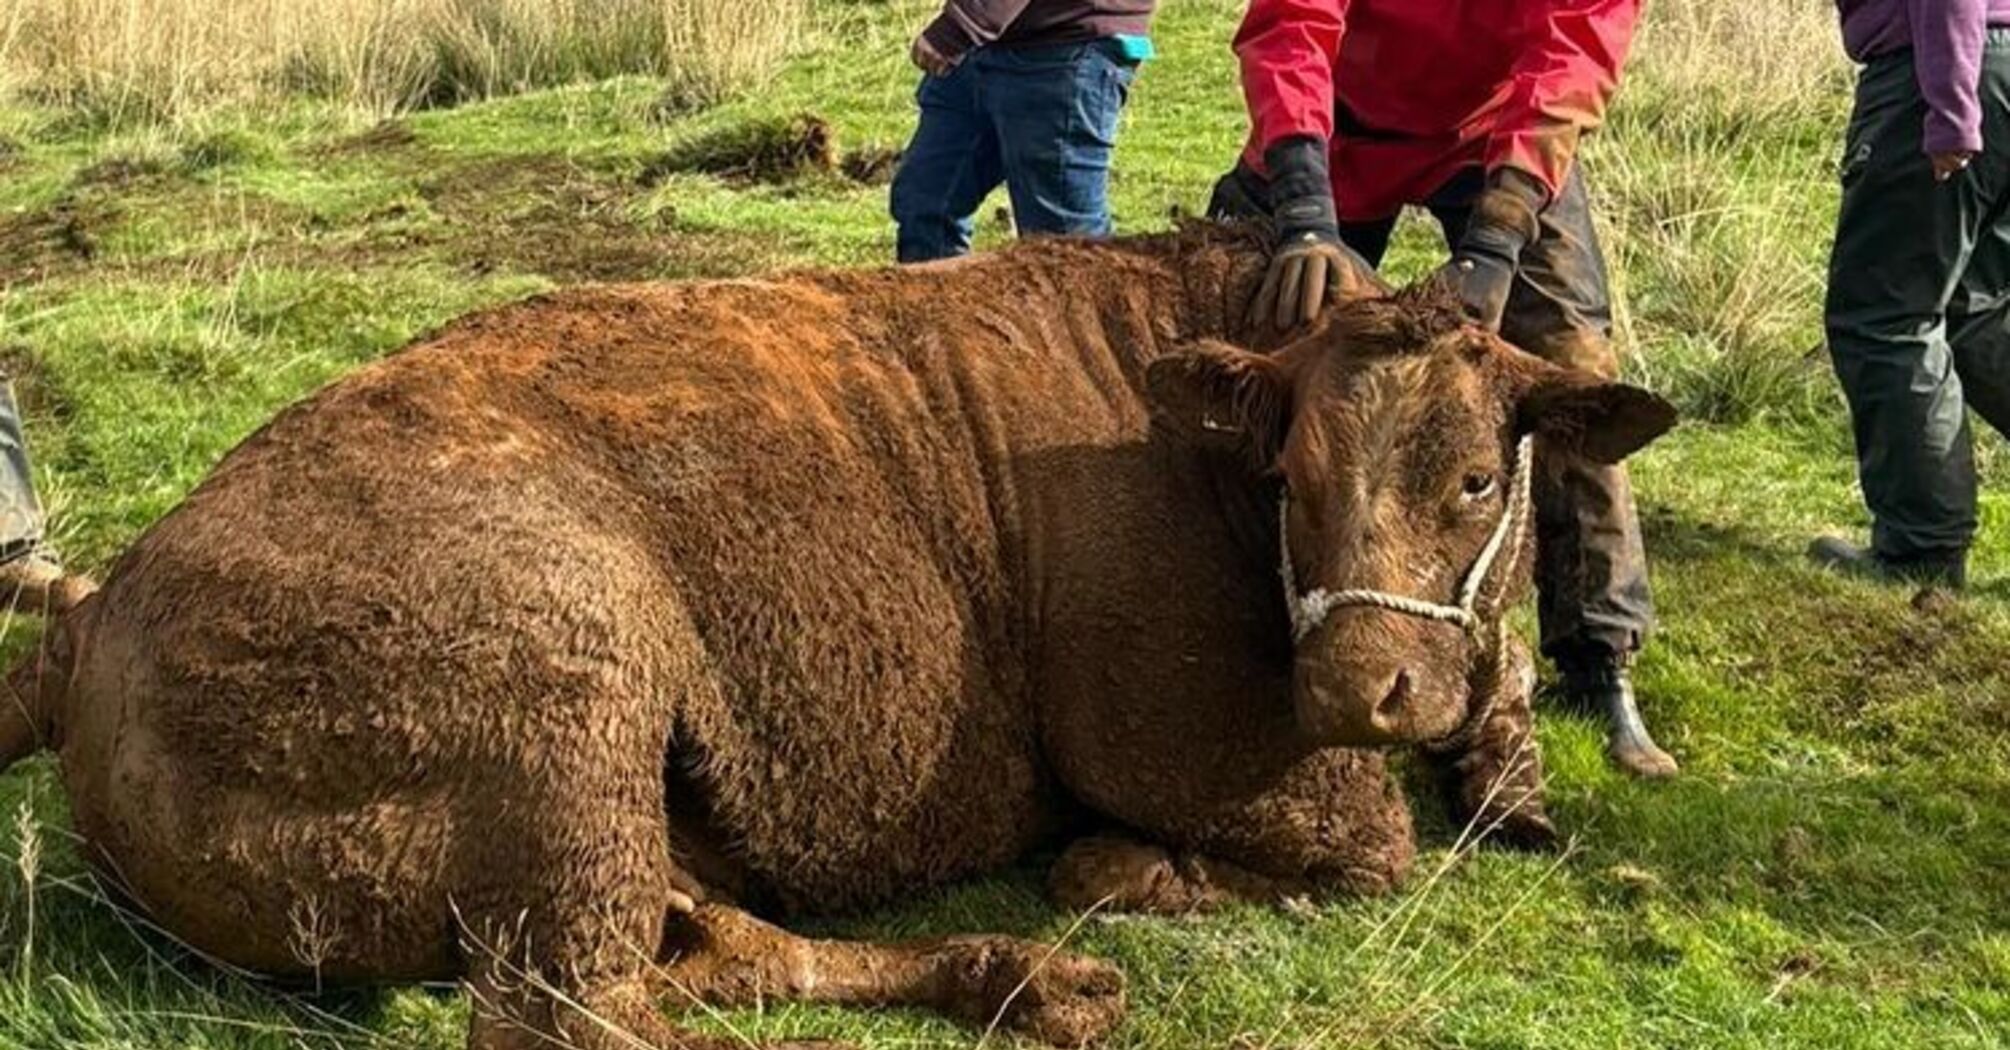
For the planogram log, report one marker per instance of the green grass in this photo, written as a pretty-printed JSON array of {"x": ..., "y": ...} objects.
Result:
[{"x": 1832, "y": 871}]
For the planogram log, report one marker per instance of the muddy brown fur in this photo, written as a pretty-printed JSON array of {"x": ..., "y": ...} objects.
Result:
[{"x": 544, "y": 653}]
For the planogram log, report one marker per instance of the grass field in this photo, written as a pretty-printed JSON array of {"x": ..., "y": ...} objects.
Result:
[{"x": 1832, "y": 871}]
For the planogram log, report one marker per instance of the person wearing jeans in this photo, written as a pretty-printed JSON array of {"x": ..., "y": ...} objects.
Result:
[
  {"x": 1021, "y": 92},
  {"x": 1918, "y": 311}
]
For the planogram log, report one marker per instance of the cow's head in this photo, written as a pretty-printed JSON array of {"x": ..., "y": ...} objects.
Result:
[{"x": 1394, "y": 429}]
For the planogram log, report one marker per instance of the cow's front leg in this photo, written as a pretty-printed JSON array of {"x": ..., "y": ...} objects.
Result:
[
  {"x": 1108, "y": 873},
  {"x": 1495, "y": 773}
]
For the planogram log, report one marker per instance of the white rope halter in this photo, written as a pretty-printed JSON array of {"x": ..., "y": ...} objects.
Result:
[{"x": 1311, "y": 609}]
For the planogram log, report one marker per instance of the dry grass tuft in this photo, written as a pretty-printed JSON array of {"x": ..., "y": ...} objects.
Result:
[
  {"x": 1716, "y": 221},
  {"x": 166, "y": 60}
]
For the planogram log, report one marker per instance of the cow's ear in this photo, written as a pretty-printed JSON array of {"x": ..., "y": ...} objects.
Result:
[
  {"x": 1212, "y": 393},
  {"x": 1601, "y": 420}
]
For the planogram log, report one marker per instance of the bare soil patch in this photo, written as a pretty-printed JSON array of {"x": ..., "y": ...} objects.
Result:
[
  {"x": 385, "y": 137},
  {"x": 760, "y": 151},
  {"x": 42, "y": 242},
  {"x": 774, "y": 152},
  {"x": 119, "y": 172},
  {"x": 544, "y": 214}
]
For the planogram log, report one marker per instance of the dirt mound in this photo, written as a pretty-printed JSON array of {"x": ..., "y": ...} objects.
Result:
[
  {"x": 762, "y": 151},
  {"x": 871, "y": 165},
  {"x": 36, "y": 390},
  {"x": 39, "y": 243},
  {"x": 386, "y": 136},
  {"x": 119, "y": 171}
]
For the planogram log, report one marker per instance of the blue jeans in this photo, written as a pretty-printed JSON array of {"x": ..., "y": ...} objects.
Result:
[{"x": 1041, "y": 120}]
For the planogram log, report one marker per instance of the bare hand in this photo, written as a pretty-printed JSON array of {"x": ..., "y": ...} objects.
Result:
[
  {"x": 1949, "y": 164},
  {"x": 929, "y": 60}
]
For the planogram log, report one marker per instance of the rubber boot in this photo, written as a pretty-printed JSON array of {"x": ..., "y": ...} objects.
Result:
[{"x": 1605, "y": 684}]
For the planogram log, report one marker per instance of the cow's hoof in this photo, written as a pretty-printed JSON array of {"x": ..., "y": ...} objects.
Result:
[
  {"x": 1041, "y": 993},
  {"x": 1526, "y": 829}
]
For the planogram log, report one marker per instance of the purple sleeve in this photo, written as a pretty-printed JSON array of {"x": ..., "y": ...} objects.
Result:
[
  {"x": 964, "y": 24},
  {"x": 1947, "y": 38}
]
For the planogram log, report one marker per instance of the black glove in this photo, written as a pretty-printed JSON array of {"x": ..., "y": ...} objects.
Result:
[
  {"x": 1239, "y": 196},
  {"x": 1481, "y": 272},
  {"x": 1310, "y": 263}
]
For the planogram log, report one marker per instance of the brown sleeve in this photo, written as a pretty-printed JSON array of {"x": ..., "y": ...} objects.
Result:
[{"x": 964, "y": 24}]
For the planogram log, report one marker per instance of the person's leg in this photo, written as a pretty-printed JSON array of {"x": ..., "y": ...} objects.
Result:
[
  {"x": 1594, "y": 602},
  {"x": 20, "y": 508},
  {"x": 1978, "y": 325},
  {"x": 1056, "y": 110},
  {"x": 1902, "y": 243},
  {"x": 948, "y": 168},
  {"x": 30, "y": 576},
  {"x": 1978, "y": 316}
]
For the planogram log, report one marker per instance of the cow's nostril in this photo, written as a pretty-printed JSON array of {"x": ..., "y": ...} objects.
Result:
[{"x": 1390, "y": 710}]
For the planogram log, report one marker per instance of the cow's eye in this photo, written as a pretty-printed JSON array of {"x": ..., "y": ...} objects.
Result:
[{"x": 1477, "y": 487}]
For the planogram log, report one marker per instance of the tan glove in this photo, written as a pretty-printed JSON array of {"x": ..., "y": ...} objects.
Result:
[{"x": 1311, "y": 266}]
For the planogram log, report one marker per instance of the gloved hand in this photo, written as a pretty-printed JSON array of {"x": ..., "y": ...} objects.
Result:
[
  {"x": 1481, "y": 271},
  {"x": 1310, "y": 264},
  {"x": 1240, "y": 195}
]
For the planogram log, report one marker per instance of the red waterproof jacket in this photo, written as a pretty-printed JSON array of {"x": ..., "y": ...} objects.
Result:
[{"x": 1411, "y": 91}]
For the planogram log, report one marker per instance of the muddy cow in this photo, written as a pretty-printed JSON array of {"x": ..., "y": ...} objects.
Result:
[{"x": 550, "y": 651}]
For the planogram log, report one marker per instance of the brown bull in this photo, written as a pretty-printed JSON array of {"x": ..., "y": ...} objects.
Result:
[{"x": 544, "y": 652}]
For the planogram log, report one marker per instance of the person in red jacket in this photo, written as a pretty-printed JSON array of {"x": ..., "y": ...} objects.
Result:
[{"x": 1473, "y": 109}]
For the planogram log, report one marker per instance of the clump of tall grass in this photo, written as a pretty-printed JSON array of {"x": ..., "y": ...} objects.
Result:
[
  {"x": 1717, "y": 222},
  {"x": 147, "y": 60},
  {"x": 1742, "y": 67}
]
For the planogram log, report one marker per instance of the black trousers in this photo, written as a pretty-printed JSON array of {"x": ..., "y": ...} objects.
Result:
[{"x": 1918, "y": 311}]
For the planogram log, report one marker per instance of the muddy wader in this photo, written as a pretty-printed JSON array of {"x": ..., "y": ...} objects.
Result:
[
  {"x": 1918, "y": 318},
  {"x": 1595, "y": 605}
]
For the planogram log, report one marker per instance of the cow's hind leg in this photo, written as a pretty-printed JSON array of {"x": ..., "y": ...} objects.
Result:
[
  {"x": 558, "y": 949},
  {"x": 722, "y": 956},
  {"x": 527, "y": 1000},
  {"x": 566, "y": 889}
]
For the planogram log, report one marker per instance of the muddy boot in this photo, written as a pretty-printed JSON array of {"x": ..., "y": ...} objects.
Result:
[
  {"x": 1605, "y": 684},
  {"x": 1949, "y": 571}
]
